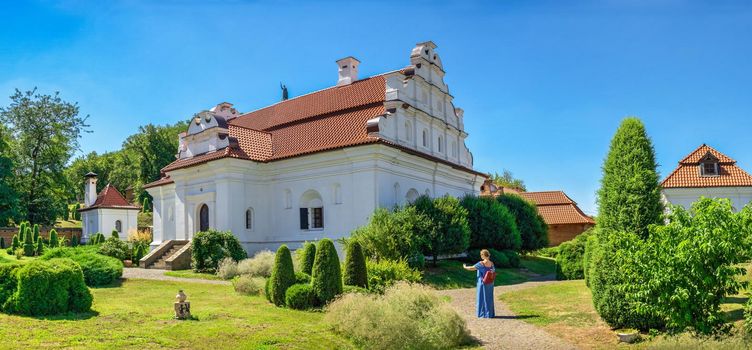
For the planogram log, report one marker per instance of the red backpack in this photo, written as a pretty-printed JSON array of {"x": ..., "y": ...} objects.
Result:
[{"x": 489, "y": 277}]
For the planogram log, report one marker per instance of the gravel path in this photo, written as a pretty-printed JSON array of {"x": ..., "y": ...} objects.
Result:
[
  {"x": 159, "y": 275},
  {"x": 507, "y": 330}
]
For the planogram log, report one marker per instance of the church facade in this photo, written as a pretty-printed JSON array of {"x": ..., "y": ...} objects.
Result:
[{"x": 317, "y": 165}]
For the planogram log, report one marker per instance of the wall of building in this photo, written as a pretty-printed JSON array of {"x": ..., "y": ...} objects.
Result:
[
  {"x": 558, "y": 234},
  {"x": 103, "y": 221},
  {"x": 739, "y": 196}
]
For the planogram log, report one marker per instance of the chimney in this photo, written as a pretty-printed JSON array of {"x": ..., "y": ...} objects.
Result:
[
  {"x": 348, "y": 70},
  {"x": 90, "y": 189}
]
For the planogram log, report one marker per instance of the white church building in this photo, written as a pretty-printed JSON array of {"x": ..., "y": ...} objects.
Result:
[
  {"x": 106, "y": 212},
  {"x": 317, "y": 165}
]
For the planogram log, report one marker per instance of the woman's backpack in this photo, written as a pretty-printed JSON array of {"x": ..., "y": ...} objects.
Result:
[{"x": 489, "y": 277}]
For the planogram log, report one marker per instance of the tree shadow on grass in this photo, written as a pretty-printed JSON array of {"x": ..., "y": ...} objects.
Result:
[
  {"x": 516, "y": 317},
  {"x": 115, "y": 284},
  {"x": 70, "y": 316}
]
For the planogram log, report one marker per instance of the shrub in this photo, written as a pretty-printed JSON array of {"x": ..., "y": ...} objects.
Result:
[
  {"x": 96, "y": 238},
  {"x": 747, "y": 313},
  {"x": 306, "y": 256},
  {"x": 354, "y": 289},
  {"x": 283, "y": 275},
  {"x": 394, "y": 235},
  {"x": 74, "y": 241},
  {"x": 355, "y": 273},
  {"x": 513, "y": 257},
  {"x": 115, "y": 234},
  {"x": 115, "y": 248},
  {"x": 99, "y": 270},
  {"x": 139, "y": 252},
  {"x": 405, "y": 317},
  {"x": 629, "y": 198},
  {"x": 248, "y": 285},
  {"x": 533, "y": 230},
  {"x": 40, "y": 247},
  {"x": 450, "y": 233},
  {"x": 260, "y": 265},
  {"x": 267, "y": 289},
  {"x": 210, "y": 247},
  {"x": 29, "y": 248},
  {"x": 47, "y": 288},
  {"x": 300, "y": 297},
  {"x": 227, "y": 269},
  {"x": 569, "y": 261},
  {"x": 19, "y": 253},
  {"x": 35, "y": 233},
  {"x": 302, "y": 278},
  {"x": 54, "y": 242},
  {"x": 326, "y": 274},
  {"x": 16, "y": 243},
  {"x": 385, "y": 273},
  {"x": 491, "y": 224}
]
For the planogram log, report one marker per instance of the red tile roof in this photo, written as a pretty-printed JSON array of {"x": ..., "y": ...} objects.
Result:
[
  {"x": 110, "y": 198},
  {"x": 323, "y": 120},
  {"x": 557, "y": 208},
  {"x": 163, "y": 181},
  {"x": 687, "y": 174}
]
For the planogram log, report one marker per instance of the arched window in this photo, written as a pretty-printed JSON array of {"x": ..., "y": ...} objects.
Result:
[
  {"x": 425, "y": 138},
  {"x": 118, "y": 226},
  {"x": 412, "y": 195},
  {"x": 311, "y": 211},
  {"x": 408, "y": 131},
  {"x": 249, "y": 219},
  {"x": 203, "y": 218},
  {"x": 441, "y": 143}
]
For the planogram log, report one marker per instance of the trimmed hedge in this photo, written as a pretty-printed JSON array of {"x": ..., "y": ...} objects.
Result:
[
  {"x": 54, "y": 242},
  {"x": 326, "y": 274},
  {"x": 300, "y": 297},
  {"x": 283, "y": 275},
  {"x": 307, "y": 257},
  {"x": 45, "y": 288},
  {"x": 98, "y": 270},
  {"x": 355, "y": 273},
  {"x": 210, "y": 247}
]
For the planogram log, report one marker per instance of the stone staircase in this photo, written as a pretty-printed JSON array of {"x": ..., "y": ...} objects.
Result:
[{"x": 170, "y": 255}]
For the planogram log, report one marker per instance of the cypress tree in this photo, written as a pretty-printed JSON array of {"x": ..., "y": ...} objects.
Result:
[
  {"x": 28, "y": 246},
  {"x": 2, "y": 243},
  {"x": 327, "y": 273},
  {"x": 53, "y": 238},
  {"x": 16, "y": 243},
  {"x": 36, "y": 233},
  {"x": 74, "y": 241},
  {"x": 283, "y": 275},
  {"x": 145, "y": 205},
  {"x": 22, "y": 231},
  {"x": 40, "y": 247},
  {"x": 115, "y": 234},
  {"x": 355, "y": 273},
  {"x": 309, "y": 255},
  {"x": 630, "y": 196}
]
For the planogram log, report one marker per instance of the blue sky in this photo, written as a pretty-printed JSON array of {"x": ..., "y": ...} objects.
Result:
[{"x": 544, "y": 84}]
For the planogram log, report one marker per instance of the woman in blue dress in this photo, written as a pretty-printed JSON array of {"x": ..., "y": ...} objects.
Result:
[{"x": 485, "y": 302}]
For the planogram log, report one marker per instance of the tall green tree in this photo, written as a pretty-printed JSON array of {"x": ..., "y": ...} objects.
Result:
[
  {"x": 532, "y": 227},
  {"x": 630, "y": 197},
  {"x": 506, "y": 179},
  {"x": 45, "y": 130},
  {"x": 8, "y": 195},
  {"x": 450, "y": 232},
  {"x": 492, "y": 225}
]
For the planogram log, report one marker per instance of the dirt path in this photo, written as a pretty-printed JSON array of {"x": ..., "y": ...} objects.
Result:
[
  {"x": 159, "y": 275},
  {"x": 507, "y": 330}
]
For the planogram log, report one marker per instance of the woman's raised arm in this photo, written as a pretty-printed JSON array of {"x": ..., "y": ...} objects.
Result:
[{"x": 468, "y": 267}]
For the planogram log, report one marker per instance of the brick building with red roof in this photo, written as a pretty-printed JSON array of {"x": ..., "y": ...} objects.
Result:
[
  {"x": 709, "y": 173},
  {"x": 317, "y": 165}
]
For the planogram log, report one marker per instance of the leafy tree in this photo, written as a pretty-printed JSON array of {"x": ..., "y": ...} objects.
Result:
[
  {"x": 327, "y": 273},
  {"x": 450, "y": 232},
  {"x": 45, "y": 131},
  {"x": 283, "y": 275},
  {"x": 630, "y": 197},
  {"x": 355, "y": 266},
  {"x": 8, "y": 194},
  {"x": 533, "y": 230},
  {"x": 307, "y": 258},
  {"x": 492, "y": 226},
  {"x": 393, "y": 235},
  {"x": 506, "y": 179},
  {"x": 53, "y": 238}
]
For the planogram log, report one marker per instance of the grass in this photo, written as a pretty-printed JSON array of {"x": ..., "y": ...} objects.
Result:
[
  {"x": 138, "y": 315},
  {"x": 5, "y": 258},
  {"x": 565, "y": 309},
  {"x": 449, "y": 274},
  {"x": 68, "y": 223},
  {"x": 191, "y": 274}
]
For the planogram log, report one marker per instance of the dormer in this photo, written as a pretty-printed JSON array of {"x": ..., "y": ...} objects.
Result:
[
  {"x": 709, "y": 165},
  {"x": 207, "y": 131}
]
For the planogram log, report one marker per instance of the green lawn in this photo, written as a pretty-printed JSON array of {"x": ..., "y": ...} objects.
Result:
[
  {"x": 191, "y": 274},
  {"x": 138, "y": 315},
  {"x": 565, "y": 309},
  {"x": 68, "y": 224},
  {"x": 449, "y": 274},
  {"x": 5, "y": 258}
]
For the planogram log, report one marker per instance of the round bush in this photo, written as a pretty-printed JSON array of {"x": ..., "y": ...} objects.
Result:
[
  {"x": 307, "y": 257},
  {"x": 283, "y": 275},
  {"x": 48, "y": 288},
  {"x": 248, "y": 285},
  {"x": 115, "y": 248},
  {"x": 355, "y": 273},
  {"x": 210, "y": 247},
  {"x": 327, "y": 274},
  {"x": 533, "y": 230},
  {"x": 98, "y": 270},
  {"x": 299, "y": 297}
]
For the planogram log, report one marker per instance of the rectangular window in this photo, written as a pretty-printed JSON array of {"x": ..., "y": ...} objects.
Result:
[
  {"x": 709, "y": 169},
  {"x": 303, "y": 218},
  {"x": 318, "y": 217}
]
